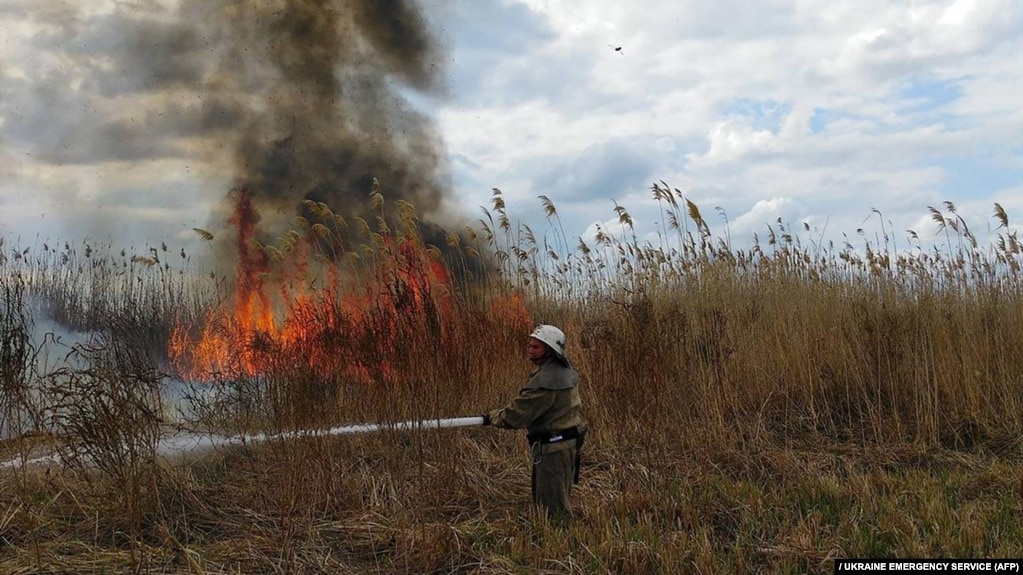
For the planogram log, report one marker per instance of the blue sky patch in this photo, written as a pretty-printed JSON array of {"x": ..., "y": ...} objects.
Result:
[
  {"x": 820, "y": 119},
  {"x": 924, "y": 95},
  {"x": 927, "y": 100},
  {"x": 976, "y": 177}
]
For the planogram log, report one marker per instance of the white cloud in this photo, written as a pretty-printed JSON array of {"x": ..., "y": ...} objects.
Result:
[
  {"x": 852, "y": 139},
  {"x": 814, "y": 110},
  {"x": 731, "y": 140},
  {"x": 768, "y": 212}
]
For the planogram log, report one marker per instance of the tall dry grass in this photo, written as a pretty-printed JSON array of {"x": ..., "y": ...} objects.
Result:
[{"x": 762, "y": 409}]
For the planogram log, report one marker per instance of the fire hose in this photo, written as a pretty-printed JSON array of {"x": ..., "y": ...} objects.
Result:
[
  {"x": 183, "y": 443},
  {"x": 375, "y": 427}
]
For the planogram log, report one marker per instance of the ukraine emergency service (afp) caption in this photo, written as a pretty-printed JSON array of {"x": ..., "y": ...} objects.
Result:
[{"x": 929, "y": 565}]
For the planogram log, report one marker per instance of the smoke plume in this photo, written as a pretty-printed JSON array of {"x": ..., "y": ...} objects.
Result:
[
  {"x": 289, "y": 99},
  {"x": 310, "y": 91}
]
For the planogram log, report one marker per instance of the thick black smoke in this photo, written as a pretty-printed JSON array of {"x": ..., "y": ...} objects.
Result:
[
  {"x": 311, "y": 93},
  {"x": 290, "y": 99}
]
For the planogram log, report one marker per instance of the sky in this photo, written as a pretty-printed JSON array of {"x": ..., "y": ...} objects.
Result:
[{"x": 839, "y": 115}]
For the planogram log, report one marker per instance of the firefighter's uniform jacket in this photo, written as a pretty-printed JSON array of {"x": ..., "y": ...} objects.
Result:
[{"x": 548, "y": 409}]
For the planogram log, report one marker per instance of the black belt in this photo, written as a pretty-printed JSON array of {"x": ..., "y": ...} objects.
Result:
[{"x": 547, "y": 437}]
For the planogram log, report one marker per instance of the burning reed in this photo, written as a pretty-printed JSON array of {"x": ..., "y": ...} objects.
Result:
[{"x": 759, "y": 409}]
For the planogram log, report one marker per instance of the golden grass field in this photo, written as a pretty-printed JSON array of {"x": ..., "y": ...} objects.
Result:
[{"x": 755, "y": 410}]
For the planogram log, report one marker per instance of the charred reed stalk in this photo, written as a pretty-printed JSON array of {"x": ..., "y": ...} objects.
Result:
[{"x": 17, "y": 357}]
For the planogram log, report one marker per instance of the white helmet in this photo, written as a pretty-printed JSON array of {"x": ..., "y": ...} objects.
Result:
[{"x": 553, "y": 337}]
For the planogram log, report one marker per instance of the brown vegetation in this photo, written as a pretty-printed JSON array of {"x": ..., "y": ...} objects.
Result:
[{"x": 751, "y": 410}]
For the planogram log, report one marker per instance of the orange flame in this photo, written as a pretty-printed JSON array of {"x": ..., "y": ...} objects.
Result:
[{"x": 406, "y": 300}]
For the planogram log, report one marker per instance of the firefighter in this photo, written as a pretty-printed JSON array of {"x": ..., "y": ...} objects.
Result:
[{"x": 548, "y": 409}]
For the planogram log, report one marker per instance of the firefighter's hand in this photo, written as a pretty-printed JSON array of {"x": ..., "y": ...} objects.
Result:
[{"x": 486, "y": 419}]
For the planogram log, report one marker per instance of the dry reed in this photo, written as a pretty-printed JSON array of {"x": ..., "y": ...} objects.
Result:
[{"x": 752, "y": 410}]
